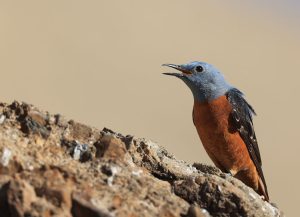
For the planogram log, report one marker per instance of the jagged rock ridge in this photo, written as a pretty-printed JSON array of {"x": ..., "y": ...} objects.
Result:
[{"x": 50, "y": 166}]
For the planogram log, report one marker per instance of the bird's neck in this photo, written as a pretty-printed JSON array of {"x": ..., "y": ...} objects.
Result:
[{"x": 202, "y": 94}]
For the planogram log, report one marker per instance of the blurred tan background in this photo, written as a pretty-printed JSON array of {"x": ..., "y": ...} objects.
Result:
[{"x": 99, "y": 62}]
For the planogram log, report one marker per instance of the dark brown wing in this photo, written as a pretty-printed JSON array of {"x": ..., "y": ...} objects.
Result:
[
  {"x": 241, "y": 118},
  {"x": 193, "y": 117}
]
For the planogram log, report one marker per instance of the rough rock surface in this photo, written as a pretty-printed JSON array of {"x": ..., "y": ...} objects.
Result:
[{"x": 50, "y": 166}]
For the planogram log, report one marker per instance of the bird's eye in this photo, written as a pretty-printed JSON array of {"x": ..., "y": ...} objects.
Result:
[{"x": 199, "y": 69}]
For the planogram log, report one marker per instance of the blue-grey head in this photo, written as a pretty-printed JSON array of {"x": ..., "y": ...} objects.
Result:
[{"x": 205, "y": 81}]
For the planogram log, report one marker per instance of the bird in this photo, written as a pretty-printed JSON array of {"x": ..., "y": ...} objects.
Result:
[{"x": 224, "y": 122}]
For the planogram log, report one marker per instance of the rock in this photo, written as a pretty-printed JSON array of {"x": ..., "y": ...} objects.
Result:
[
  {"x": 79, "y": 131},
  {"x": 31, "y": 120},
  {"x": 20, "y": 196},
  {"x": 196, "y": 211},
  {"x": 6, "y": 155},
  {"x": 81, "y": 152},
  {"x": 110, "y": 147},
  {"x": 83, "y": 208},
  {"x": 50, "y": 166},
  {"x": 2, "y": 118}
]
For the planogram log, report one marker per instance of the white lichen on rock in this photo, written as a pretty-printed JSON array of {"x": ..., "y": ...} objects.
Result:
[
  {"x": 5, "y": 158},
  {"x": 2, "y": 118}
]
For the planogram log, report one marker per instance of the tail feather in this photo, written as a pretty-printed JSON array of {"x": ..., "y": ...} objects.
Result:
[{"x": 262, "y": 189}]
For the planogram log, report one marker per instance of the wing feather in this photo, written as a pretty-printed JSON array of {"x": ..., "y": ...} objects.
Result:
[{"x": 241, "y": 119}]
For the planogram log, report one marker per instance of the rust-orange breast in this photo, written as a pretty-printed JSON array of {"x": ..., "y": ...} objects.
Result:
[{"x": 226, "y": 149}]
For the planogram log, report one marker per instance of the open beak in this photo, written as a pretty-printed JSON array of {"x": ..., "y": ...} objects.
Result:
[{"x": 179, "y": 68}]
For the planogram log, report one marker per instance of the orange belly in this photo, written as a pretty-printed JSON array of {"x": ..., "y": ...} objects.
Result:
[{"x": 226, "y": 149}]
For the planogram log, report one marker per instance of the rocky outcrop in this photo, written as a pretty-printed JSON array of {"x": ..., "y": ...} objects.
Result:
[{"x": 50, "y": 166}]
